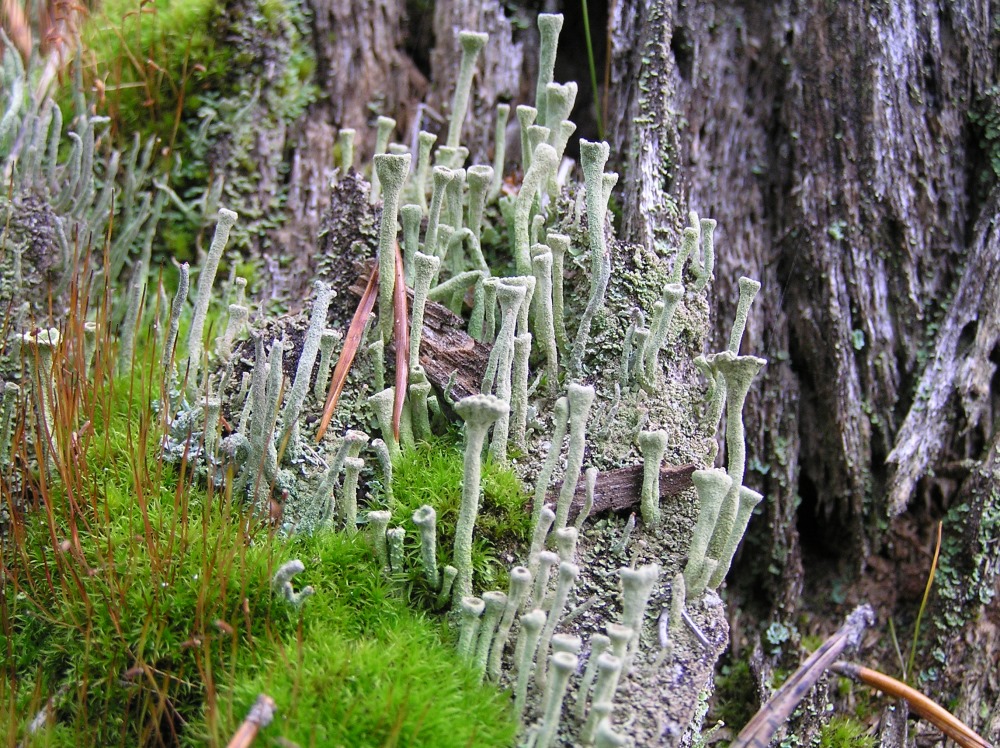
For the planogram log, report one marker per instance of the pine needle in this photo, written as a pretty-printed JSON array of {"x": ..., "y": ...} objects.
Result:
[{"x": 351, "y": 344}]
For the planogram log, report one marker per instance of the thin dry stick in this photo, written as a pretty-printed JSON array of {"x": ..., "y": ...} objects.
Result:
[
  {"x": 930, "y": 710},
  {"x": 777, "y": 710},
  {"x": 260, "y": 715}
]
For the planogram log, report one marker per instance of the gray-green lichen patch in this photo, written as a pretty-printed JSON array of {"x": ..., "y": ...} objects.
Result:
[
  {"x": 35, "y": 251},
  {"x": 348, "y": 236}
]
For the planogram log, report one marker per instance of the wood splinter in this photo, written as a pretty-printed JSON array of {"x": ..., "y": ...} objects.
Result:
[{"x": 259, "y": 716}]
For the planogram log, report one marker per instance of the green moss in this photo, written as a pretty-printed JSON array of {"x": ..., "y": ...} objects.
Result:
[
  {"x": 432, "y": 474},
  {"x": 844, "y": 732},
  {"x": 984, "y": 116},
  {"x": 735, "y": 695},
  {"x": 144, "y": 605},
  {"x": 364, "y": 669},
  {"x": 150, "y": 60}
]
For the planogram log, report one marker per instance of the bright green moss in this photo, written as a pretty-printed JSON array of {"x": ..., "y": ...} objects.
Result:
[
  {"x": 844, "y": 732},
  {"x": 432, "y": 474},
  {"x": 365, "y": 669},
  {"x": 147, "y": 61},
  {"x": 158, "y": 623}
]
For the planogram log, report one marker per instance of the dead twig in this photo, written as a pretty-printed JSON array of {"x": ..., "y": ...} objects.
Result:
[
  {"x": 776, "y": 711},
  {"x": 260, "y": 715}
]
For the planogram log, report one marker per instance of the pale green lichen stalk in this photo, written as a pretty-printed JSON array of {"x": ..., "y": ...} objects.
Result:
[
  {"x": 563, "y": 665},
  {"x": 384, "y": 127},
  {"x": 637, "y": 585},
  {"x": 739, "y": 372},
  {"x": 499, "y": 150},
  {"x": 581, "y": 398},
  {"x": 472, "y": 43},
  {"x": 425, "y": 518},
  {"x": 748, "y": 501},
  {"x": 410, "y": 215},
  {"x": 511, "y": 299},
  {"x": 345, "y": 139},
  {"x": 543, "y": 163},
  {"x": 525, "y": 118},
  {"x": 712, "y": 486},
  {"x": 440, "y": 177},
  {"x": 527, "y": 644},
  {"x": 392, "y": 171},
  {"x": 653, "y": 445},
  {"x": 593, "y": 157},
  {"x": 281, "y": 583},
  {"x": 425, "y": 141},
  {"x": 494, "y": 603},
  {"x": 549, "y": 26},
  {"x": 520, "y": 585},
  {"x": 206, "y": 279},
  {"x": 479, "y": 413},
  {"x": 378, "y": 523},
  {"x": 303, "y": 372},
  {"x": 471, "y": 609},
  {"x": 568, "y": 572}
]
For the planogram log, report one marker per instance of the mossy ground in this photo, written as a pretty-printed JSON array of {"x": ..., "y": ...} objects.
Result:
[{"x": 139, "y": 600}]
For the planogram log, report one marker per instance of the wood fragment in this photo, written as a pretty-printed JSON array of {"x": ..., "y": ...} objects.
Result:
[
  {"x": 618, "y": 490},
  {"x": 259, "y": 716},
  {"x": 445, "y": 347}
]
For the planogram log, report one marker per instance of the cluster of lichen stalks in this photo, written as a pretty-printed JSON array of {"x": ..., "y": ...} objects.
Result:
[{"x": 268, "y": 456}]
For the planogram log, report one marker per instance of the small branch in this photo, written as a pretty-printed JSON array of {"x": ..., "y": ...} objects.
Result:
[
  {"x": 776, "y": 711},
  {"x": 260, "y": 715}
]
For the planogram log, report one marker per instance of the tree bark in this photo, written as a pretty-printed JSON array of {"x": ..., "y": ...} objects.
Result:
[
  {"x": 839, "y": 147},
  {"x": 834, "y": 143}
]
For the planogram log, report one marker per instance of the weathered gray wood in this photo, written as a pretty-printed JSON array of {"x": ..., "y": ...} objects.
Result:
[
  {"x": 617, "y": 490},
  {"x": 499, "y": 74},
  {"x": 955, "y": 401},
  {"x": 834, "y": 145}
]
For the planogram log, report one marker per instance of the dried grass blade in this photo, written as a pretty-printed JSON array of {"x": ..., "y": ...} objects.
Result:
[
  {"x": 401, "y": 335},
  {"x": 351, "y": 344}
]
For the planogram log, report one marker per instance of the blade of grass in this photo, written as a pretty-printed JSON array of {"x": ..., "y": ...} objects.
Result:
[
  {"x": 401, "y": 334},
  {"x": 593, "y": 69},
  {"x": 908, "y": 673},
  {"x": 351, "y": 344}
]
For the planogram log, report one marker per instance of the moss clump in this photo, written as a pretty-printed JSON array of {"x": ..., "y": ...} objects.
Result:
[
  {"x": 844, "y": 732},
  {"x": 431, "y": 473},
  {"x": 339, "y": 682},
  {"x": 735, "y": 695},
  {"x": 142, "y": 605},
  {"x": 150, "y": 60}
]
